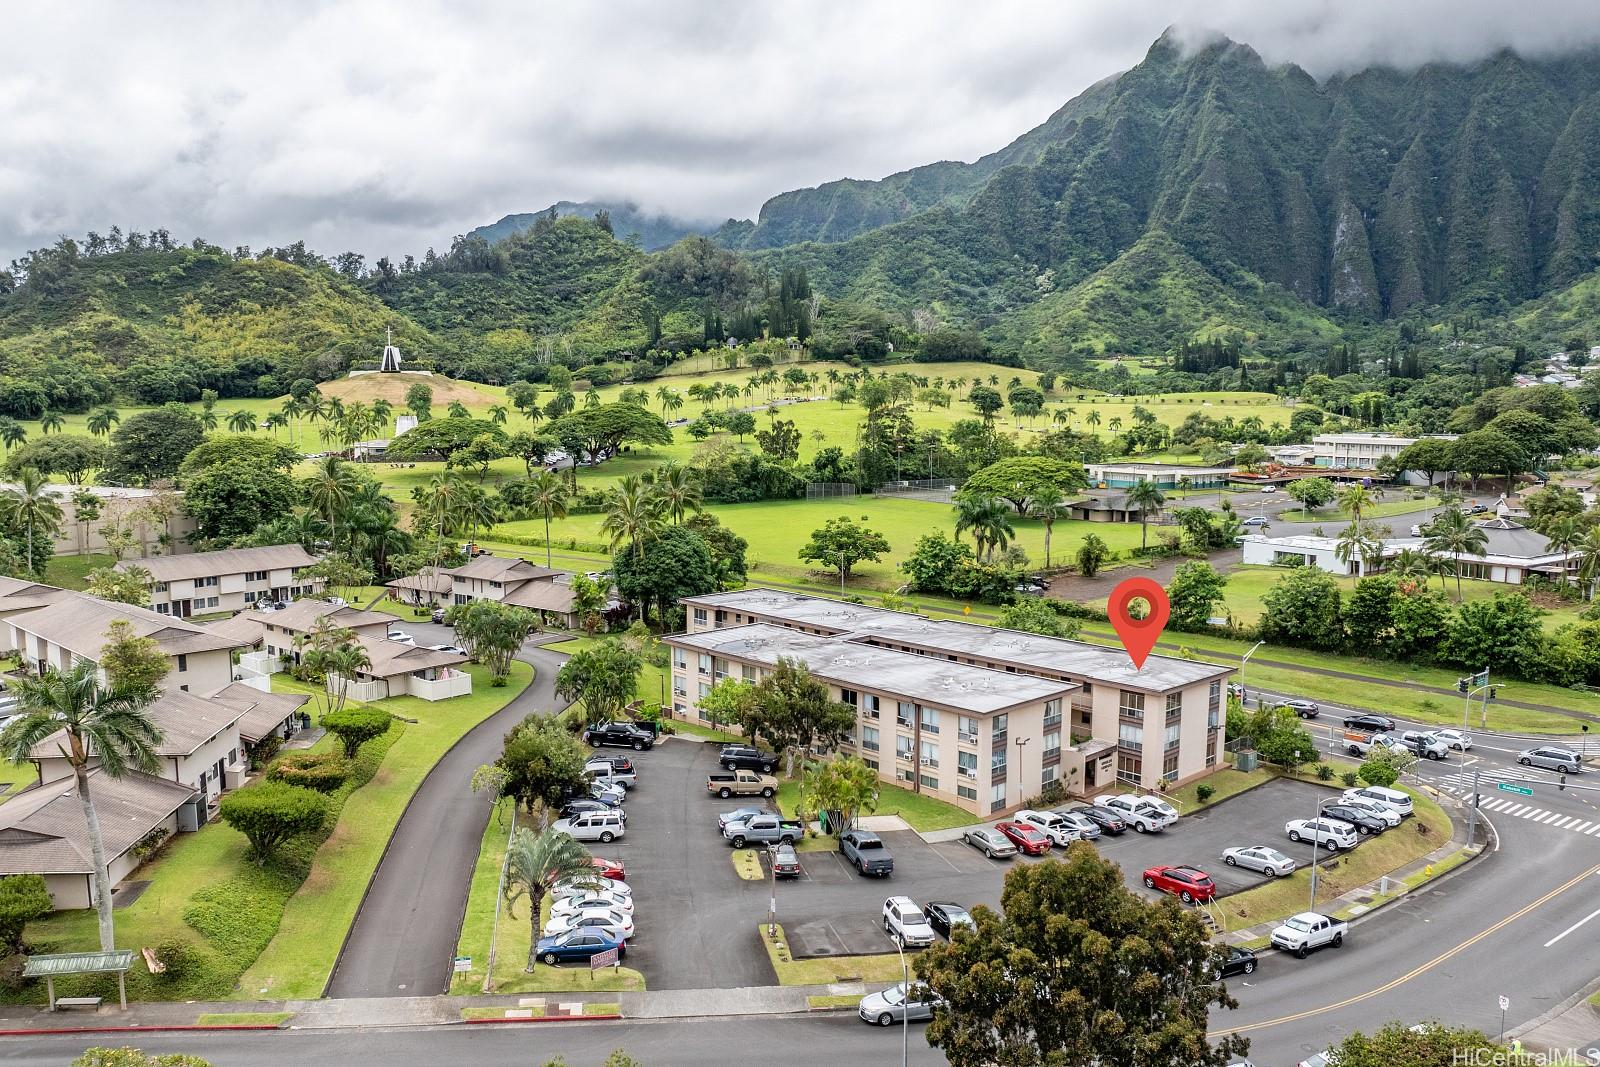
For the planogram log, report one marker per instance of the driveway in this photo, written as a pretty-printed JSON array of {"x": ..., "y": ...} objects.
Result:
[{"x": 406, "y": 931}]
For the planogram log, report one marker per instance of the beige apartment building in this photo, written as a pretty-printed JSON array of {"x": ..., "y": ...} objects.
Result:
[
  {"x": 979, "y": 716},
  {"x": 227, "y": 580}
]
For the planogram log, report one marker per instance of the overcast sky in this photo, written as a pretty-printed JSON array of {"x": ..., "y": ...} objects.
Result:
[{"x": 387, "y": 127}]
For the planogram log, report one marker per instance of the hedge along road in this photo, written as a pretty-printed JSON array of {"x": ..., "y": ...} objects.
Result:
[{"x": 405, "y": 933}]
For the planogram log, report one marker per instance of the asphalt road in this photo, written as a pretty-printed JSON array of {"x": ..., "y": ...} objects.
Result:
[{"x": 405, "y": 935}]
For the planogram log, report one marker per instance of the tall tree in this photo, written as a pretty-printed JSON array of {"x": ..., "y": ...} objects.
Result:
[
  {"x": 548, "y": 493},
  {"x": 535, "y": 863},
  {"x": 1148, "y": 498},
  {"x": 1453, "y": 535}
]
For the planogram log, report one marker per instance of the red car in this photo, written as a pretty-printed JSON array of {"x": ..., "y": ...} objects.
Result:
[
  {"x": 1188, "y": 884},
  {"x": 1025, "y": 837},
  {"x": 609, "y": 868}
]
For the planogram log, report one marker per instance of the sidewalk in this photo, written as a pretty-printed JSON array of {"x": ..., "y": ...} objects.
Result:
[{"x": 1571, "y": 1025}]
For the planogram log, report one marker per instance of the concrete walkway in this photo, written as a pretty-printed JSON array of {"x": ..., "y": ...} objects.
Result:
[{"x": 406, "y": 931}]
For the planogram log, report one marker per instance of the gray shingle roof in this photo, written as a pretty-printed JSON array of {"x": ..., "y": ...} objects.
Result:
[
  {"x": 302, "y": 615},
  {"x": 223, "y": 561},
  {"x": 501, "y": 569},
  {"x": 79, "y": 622},
  {"x": 186, "y": 722},
  {"x": 390, "y": 658},
  {"x": 42, "y": 830},
  {"x": 264, "y": 712}
]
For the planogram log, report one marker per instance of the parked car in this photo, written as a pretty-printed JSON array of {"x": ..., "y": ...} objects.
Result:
[
  {"x": 904, "y": 922},
  {"x": 1145, "y": 814},
  {"x": 1378, "y": 724},
  {"x": 1109, "y": 820},
  {"x": 945, "y": 916},
  {"x": 1029, "y": 840},
  {"x": 727, "y": 784},
  {"x": 1551, "y": 759},
  {"x": 768, "y": 828},
  {"x": 612, "y": 869},
  {"x": 602, "y": 826},
  {"x": 1254, "y": 520},
  {"x": 609, "y": 775},
  {"x": 1363, "y": 820},
  {"x": 621, "y": 735},
  {"x": 619, "y": 763},
  {"x": 1269, "y": 489},
  {"x": 1457, "y": 740},
  {"x": 866, "y": 852},
  {"x": 1261, "y": 858},
  {"x": 401, "y": 637},
  {"x": 1376, "y": 808},
  {"x": 610, "y": 795},
  {"x": 990, "y": 842},
  {"x": 1309, "y": 930},
  {"x": 1425, "y": 744},
  {"x": 1188, "y": 884},
  {"x": 894, "y": 1005},
  {"x": 457, "y": 649},
  {"x": 1329, "y": 833},
  {"x": 579, "y": 805},
  {"x": 570, "y": 903},
  {"x": 785, "y": 863},
  {"x": 579, "y": 944},
  {"x": 1306, "y": 709},
  {"x": 1088, "y": 829},
  {"x": 747, "y": 757},
  {"x": 1057, "y": 829},
  {"x": 1238, "y": 961},
  {"x": 737, "y": 815},
  {"x": 1400, "y": 802},
  {"x": 1477, "y": 508},
  {"x": 580, "y": 888},
  {"x": 606, "y": 920},
  {"x": 437, "y": 617}
]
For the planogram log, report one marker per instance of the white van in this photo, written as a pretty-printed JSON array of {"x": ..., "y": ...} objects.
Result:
[
  {"x": 602, "y": 826},
  {"x": 1391, "y": 798}
]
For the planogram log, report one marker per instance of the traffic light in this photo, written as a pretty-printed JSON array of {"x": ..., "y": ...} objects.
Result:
[
  {"x": 1494, "y": 691},
  {"x": 1462, "y": 685}
]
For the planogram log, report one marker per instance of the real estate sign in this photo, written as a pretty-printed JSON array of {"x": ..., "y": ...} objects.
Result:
[{"x": 608, "y": 958}]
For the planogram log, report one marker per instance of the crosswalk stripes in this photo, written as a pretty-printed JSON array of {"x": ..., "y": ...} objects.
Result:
[{"x": 1502, "y": 806}]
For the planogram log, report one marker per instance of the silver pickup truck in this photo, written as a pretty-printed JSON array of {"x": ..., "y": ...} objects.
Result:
[{"x": 1309, "y": 930}]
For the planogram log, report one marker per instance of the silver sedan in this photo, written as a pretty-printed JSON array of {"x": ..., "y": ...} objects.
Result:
[
  {"x": 1259, "y": 858},
  {"x": 990, "y": 842}
]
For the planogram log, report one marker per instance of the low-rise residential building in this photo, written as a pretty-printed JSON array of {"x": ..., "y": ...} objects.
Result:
[
  {"x": 1512, "y": 554},
  {"x": 1104, "y": 506},
  {"x": 395, "y": 669},
  {"x": 1363, "y": 451},
  {"x": 426, "y": 588},
  {"x": 18, "y": 595},
  {"x": 281, "y": 628},
  {"x": 1120, "y": 475},
  {"x": 227, "y": 580},
  {"x": 979, "y": 716},
  {"x": 498, "y": 578}
]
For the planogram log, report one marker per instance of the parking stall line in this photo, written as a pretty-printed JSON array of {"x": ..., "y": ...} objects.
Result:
[{"x": 947, "y": 862}]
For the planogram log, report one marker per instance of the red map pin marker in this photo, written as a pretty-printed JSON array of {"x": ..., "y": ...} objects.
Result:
[{"x": 1138, "y": 635}]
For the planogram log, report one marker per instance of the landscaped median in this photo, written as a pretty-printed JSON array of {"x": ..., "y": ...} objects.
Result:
[
  {"x": 513, "y": 935},
  {"x": 828, "y": 969},
  {"x": 545, "y": 1011}
]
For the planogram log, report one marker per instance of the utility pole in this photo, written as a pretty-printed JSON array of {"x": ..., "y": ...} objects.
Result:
[
  {"x": 500, "y": 894},
  {"x": 1243, "y": 692},
  {"x": 772, "y": 889},
  {"x": 1472, "y": 810}
]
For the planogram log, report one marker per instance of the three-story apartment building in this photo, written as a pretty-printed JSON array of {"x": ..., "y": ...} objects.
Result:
[{"x": 228, "y": 580}]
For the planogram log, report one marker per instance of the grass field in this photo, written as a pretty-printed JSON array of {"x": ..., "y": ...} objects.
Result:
[
  {"x": 244, "y": 1018},
  {"x": 1333, "y": 519},
  {"x": 920, "y": 812},
  {"x": 652, "y": 684}
]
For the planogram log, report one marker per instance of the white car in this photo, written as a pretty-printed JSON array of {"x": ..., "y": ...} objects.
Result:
[
  {"x": 1261, "y": 858},
  {"x": 457, "y": 649},
  {"x": 1332, "y": 834},
  {"x": 1058, "y": 830},
  {"x": 337, "y": 601},
  {"x": 1455, "y": 739},
  {"x": 603, "y": 770},
  {"x": 615, "y": 887},
  {"x": 606, "y": 920},
  {"x": 401, "y": 636},
  {"x": 1376, "y": 808},
  {"x": 903, "y": 920},
  {"x": 602, "y": 826},
  {"x": 1145, "y": 814},
  {"x": 601, "y": 899},
  {"x": 1269, "y": 489}
]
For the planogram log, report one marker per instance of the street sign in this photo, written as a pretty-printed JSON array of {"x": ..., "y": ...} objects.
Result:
[
  {"x": 463, "y": 963},
  {"x": 1509, "y": 788},
  {"x": 1505, "y": 1002},
  {"x": 608, "y": 958}
]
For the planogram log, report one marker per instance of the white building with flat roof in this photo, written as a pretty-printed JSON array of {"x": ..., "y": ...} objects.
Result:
[{"x": 1361, "y": 451}]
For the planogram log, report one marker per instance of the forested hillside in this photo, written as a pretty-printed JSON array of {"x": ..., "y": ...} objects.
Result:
[{"x": 650, "y": 231}]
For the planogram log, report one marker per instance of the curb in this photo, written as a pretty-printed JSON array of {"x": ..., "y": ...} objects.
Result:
[
  {"x": 174, "y": 1029},
  {"x": 542, "y": 1019}
]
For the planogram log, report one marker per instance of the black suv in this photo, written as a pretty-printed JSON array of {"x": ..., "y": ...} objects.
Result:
[
  {"x": 1364, "y": 821},
  {"x": 1375, "y": 723},
  {"x": 747, "y": 757},
  {"x": 619, "y": 764},
  {"x": 621, "y": 734}
]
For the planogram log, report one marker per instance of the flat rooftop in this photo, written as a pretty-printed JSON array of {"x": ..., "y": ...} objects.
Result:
[
  {"x": 1098, "y": 664},
  {"x": 853, "y": 663},
  {"x": 1158, "y": 468}
]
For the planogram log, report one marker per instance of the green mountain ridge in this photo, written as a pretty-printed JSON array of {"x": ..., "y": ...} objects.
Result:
[{"x": 654, "y": 230}]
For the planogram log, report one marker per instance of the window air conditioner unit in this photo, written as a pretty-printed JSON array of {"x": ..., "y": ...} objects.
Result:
[
  {"x": 926, "y": 762},
  {"x": 967, "y": 772}
]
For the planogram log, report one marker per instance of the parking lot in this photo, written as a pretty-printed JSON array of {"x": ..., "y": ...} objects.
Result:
[{"x": 697, "y": 917}]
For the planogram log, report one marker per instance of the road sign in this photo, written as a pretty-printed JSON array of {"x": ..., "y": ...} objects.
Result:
[
  {"x": 608, "y": 958},
  {"x": 1509, "y": 788},
  {"x": 1505, "y": 1002},
  {"x": 463, "y": 963}
]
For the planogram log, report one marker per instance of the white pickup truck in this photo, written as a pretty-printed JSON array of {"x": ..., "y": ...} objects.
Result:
[{"x": 1309, "y": 930}]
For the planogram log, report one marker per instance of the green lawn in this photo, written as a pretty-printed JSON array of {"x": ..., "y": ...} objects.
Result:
[
  {"x": 244, "y": 1018},
  {"x": 297, "y": 963},
  {"x": 1332, "y": 516},
  {"x": 72, "y": 572},
  {"x": 920, "y": 812},
  {"x": 15, "y": 777},
  {"x": 514, "y": 934},
  {"x": 1224, "y": 783}
]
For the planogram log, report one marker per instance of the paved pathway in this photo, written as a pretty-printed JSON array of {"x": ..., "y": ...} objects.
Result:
[{"x": 405, "y": 934}]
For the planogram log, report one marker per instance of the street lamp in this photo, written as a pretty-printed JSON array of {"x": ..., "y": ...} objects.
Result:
[
  {"x": 1315, "y": 844},
  {"x": 905, "y": 1003},
  {"x": 1020, "y": 788},
  {"x": 1242, "y": 661}
]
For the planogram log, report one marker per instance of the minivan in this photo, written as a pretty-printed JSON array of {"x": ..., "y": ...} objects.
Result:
[
  {"x": 1392, "y": 798},
  {"x": 1551, "y": 759},
  {"x": 602, "y": 826}
]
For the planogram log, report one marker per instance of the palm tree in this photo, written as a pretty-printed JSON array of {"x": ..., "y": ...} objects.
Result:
[
  {"x": 103, "y": 724},
  {"x": 671, "y": 399},
  {"x": 1355, "y": 499},
  {"x": 51, "y": 422},
  {"x": 328, "y": 491},
  {"x": 989, "y": 519},
  {"x": 30, "y": 505},
  {"x": 342, "y": 661},
  {"x": 1409, "y": 563},
  {"x": 1589, "y": 560},
  {"x": 1453, "y": 535},
  {"x": 1116, "y": 423},
  {"x": 1564, "y": 534},
  {"x": 678, "y": 490},
  {"x": 439, "y": 505},
  {"x": 381, "y": 410},
  {"x": 11, "y": 432},
  {"x": 274, "y": 422},
  {"x": 1357, "y": 542},
  {"x": 535, "y": 863},
  {"x": 1149, "y": 498},
  {"x": 208, "y": 415},
  {"x": 102, "y": 419},
  {"x": 499, "y": 414},
  {"x": 242, "y": 421},
  {"x": 1093, "y": 418},
  {"x": 634, "y": 515},
  {"x": 1047, "y": 506},
  {"x": 456, "y": 410},
  {"x": 549, "y": 495}
]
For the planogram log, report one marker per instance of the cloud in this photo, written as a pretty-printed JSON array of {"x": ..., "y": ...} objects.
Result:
[{"x": 387, "y": 128}]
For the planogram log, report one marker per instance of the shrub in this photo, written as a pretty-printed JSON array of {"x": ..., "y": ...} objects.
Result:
[
  {"x": 178, "y": 957},
  {"x": 354, "y": 727},
  {"x": 269, "y": 813},
  {"x": 322, "y": 771},
  {"x": 23, "y": 898},
  {"x": 1204, "y": 793},
  {"x": 262, "y": 752},
  {"x": 1324, "y": 773},
  {"x": 11, "y": 967},
  {"x": 1349, "y": 779}
]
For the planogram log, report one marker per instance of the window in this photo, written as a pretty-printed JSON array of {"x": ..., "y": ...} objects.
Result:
[
  {"x": 747, "y": 672},
  {"x": 1052, "y": 712},
  {"x": 902, "y": 748},
  {"x": 1174, "y": 706},
  {"x": 700, "y": 615},
  {"x": 206, "y": 583},
  {"x": 1052, "y": 743},
  {"x": 1172, "y": 736},
  {"x": 869, "y": 738},
  {"x": 1215, "y": 701},
  {"x": 1130, "y": 736},
  {"x": 998, "y": 726},
  {"x": 705, "y": 690},
  {"x": 249, "y": 597},
  {"x": 680, "y": 659},
  {"x": 903, "y": 713},
  {"x": 680, "y": 688},
  {"x": 930, "y": 720},
  {"x": 1049, "y": 774},
  {"x": 872, "y": 704},
  {"x": 966, "y": 792},
  {"x": 183, "y": 662},
  {"x": 159, "y": 587},
  {"x": 930, "y": 753},
  {"x": 1132, "y": 705},
  {"x": 997, "y": 762},
  {"x": 1130, "y": 766},
  {"x": 704, "y": 663},
  {"x": 871, "y": 763},
  {"x": 1169, "y": 764},
  {"x": 967, "y": 730},
  {"x": 720, "y": 616},
  {"x": 997, "y": 796},
  {"x": 967, "y": 764},
  {"x": 928, "y": 781},
  {"x": 849, "y": 696},
  {"x": 255, "y": 576},
  {"x": 163, "y": 609},
  {"x": 720, "y": 666}
]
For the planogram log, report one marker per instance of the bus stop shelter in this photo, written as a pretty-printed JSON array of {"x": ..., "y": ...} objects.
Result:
[{"x": 60, "y": 965}]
